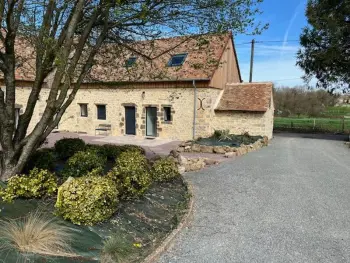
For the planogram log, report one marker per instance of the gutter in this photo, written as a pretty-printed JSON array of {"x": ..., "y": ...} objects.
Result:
[{"x": 194, "y": 110}]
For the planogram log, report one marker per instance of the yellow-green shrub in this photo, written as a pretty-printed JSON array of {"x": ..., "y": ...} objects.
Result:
[
  {"x": 37, "y": 184},
  {"x": 87, "y": 200},
  {"x": 82, "y": 163},
  {"x": 131, "y": 174},
  {"x": 164, "y": 169}
]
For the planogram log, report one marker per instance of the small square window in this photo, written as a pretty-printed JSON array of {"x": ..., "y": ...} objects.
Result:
[
  {"x": 101, "y": 112},
  {"x": 177, "y": 60},
  {"x": 130, "y": 62},
  {"x": 83, "y": 110},
  {"x": 167, "y": 113}
]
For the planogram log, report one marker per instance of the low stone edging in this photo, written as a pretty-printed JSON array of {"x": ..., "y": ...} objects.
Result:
[
  {"x": 196, "y": 164},
  {"x": 191, "y": 146},
  {"x": 185, "y": 221}
]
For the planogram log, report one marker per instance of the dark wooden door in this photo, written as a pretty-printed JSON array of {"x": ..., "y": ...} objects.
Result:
[{"x": 130, "y": 120}]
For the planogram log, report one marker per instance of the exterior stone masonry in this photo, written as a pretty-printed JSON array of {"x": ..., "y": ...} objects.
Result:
[{"x": 179, "y": 99}]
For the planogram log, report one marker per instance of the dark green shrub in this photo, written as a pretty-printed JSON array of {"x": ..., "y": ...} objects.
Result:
[
  {"x": 44, "y": 159},
  {"x": 67, "y": 147},
  {"x": 112, "y": 151},
  {"x": 82, "y": 163},
  {"x": 129, "y": 147},
  {"x": 37, "y": 184},
  {"x": 164, "y": 169},
  {"x": 131, "y": 174},
  {"x": 87, "y": 200}
]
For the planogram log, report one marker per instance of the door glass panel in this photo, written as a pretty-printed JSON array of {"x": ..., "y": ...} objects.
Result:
[{"x": 151, "y": 121}]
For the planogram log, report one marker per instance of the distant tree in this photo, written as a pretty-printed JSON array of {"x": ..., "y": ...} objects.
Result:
[
  {"x": 325, "y": 52},
  {"x": 64, "y": 37},
  {"x": 297, "y": 101}
]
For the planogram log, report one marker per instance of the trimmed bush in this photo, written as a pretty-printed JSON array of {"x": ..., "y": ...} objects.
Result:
[
  {"x": 131, "y": 174},
  {"x": 164, "y": 169},
  {"x": 37, "y": 184},
  {"x": 112, "y": 151},
  {"x": 67, "y": 147},
  {"x": 43, "y": 159},
  {"x": 87, "y": 200},
  {"x": 82, "y": 163}
]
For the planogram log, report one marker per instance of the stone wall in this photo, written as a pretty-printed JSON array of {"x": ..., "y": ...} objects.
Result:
[{"x": 180, "y": 99}]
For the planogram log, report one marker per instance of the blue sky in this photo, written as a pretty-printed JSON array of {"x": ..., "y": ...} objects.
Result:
[{"x": 275, "y": 61}]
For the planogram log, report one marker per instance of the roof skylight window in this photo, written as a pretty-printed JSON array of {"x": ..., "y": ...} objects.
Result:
[
  {"x": 130, "y": 62},
  {"x": 177, "y": 60}
]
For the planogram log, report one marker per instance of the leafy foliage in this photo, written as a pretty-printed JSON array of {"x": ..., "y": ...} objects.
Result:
[
  {"x": 44, "y": 159},
  {"x": 84, "y": 162},
  {"x": 111, "y": 151},
  {"x": 67, "y": 147},
  {"x": 37, "y": 184},
  {"x": 325, "y": 44},
  {"x": 87, "y": 200},
  {"x": 164, "y": 169},
  {"x": 131, "y": 174}
]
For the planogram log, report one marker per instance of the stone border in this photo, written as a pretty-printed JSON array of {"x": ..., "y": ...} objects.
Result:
[
  {"x": 192, "y": 146},
  {"x": 168, "y": 241}
]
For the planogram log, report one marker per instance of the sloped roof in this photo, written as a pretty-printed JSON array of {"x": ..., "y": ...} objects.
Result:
[
  {"x": 203, "y": 56},
  {"x": 246, "y": 97}
]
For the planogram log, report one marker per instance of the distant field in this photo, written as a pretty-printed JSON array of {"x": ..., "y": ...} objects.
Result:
[{"x": 336, "y": 125}]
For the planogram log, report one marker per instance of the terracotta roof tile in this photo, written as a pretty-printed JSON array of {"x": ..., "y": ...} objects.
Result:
[
  {"x": 203, "y": 55},
  {"x": 246, "y": 97}
]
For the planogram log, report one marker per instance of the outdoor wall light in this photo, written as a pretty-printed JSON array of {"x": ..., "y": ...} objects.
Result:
[{"x": 143, "y": 94}]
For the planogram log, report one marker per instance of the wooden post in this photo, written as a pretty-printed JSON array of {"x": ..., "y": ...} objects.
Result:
[
  {"x": 343, "y": 125},
  {"x": 251, "y": 61}
]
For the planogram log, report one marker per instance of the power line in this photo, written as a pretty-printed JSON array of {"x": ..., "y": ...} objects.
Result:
[{"x": 266, "y": 41}]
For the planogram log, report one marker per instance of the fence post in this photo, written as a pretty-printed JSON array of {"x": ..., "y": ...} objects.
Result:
[
  {"x": 343, "y": 125},
  {"x": 314, "y": 124},
  {"x": 291, "y": 124}
]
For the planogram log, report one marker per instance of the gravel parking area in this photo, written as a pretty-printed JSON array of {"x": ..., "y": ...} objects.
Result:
[{"x": 289, "y": 202}]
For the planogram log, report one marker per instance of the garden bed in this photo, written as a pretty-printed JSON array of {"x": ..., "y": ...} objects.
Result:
[
  {"x": 105, "y": 203},
  {"x": 139, "y": 225}
]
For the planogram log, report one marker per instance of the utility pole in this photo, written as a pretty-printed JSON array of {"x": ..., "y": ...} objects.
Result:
[{"x": 251, "y": 61}]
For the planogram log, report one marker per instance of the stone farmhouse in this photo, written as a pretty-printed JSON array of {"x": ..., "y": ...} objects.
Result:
[{"x": 177, "y": 88}]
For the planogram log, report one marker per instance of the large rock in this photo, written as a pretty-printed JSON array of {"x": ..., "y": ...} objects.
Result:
[
  {"x": 196, "y": 148},
  {"x": 220, "y": 149},
  {"x": 187, "y": 148},
  {"x": 174, "y": 153},
  {"x": 180, "y": 149},
  {"x": 195, "y": 164},
  {"x": 182, "y": 169},
  {"x": 206, "y": 149},
  {"x": 182, "y": 160}
]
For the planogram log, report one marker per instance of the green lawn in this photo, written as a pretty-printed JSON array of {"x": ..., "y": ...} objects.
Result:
[{"x": 313, "y": 124}]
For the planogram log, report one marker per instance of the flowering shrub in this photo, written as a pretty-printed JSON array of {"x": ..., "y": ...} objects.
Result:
[
  {"x": 37, "y": 184},
  {"x": 67, "y": 147},
  {"x": 87, "y": 200},
  {"x": 131, "y": 174},
  {"x": 164, "y": 169},
  {"x": 82, "y": 163}
]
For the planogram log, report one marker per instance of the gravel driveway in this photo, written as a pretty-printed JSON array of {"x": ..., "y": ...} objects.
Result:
[{"x": 289, "y": 202}]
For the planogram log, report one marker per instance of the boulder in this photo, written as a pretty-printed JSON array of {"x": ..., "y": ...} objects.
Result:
[
  {"x": 196, "y": 148},
  {"x": 182, "y": 160},
  {"x": 206, "y": 149},
  {"x": 230, "y": 154},
  {"x": 180, "y": 149},
  {"x": 175, "y": 153},
  {"x": 195, "y": 164},
  {"x": 182, "y": 144},
  {"x": 187, "y": 148},
  {"x": 220, "y": 149},
  {"x": 182, "y": 169}
]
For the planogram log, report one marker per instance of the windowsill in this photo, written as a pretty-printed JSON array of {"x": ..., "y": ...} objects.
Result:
[{"x": 168, "y": 122}]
